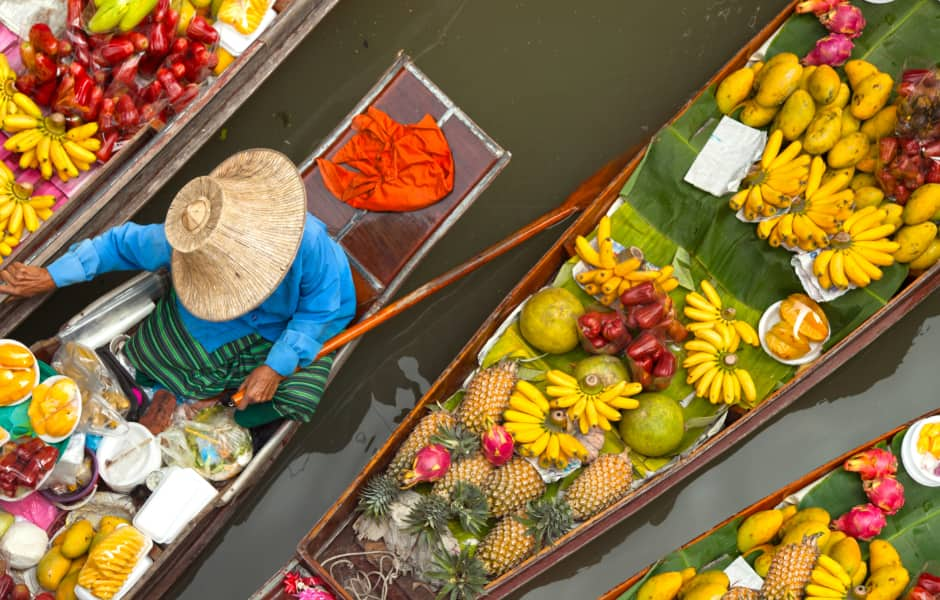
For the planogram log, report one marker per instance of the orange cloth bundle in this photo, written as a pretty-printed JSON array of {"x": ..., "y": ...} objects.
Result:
[{"x": 398, "y": 167}]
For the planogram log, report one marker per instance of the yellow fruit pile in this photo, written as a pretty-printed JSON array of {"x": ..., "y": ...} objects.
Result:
[
  {"x": 919, "y": 245},
  {"x": 857, "y": 251},
  {"x": 713, "y": 370},
  {"x": 591, "y": 407},
  {"x": 773, "y": 181},
  {"x": 54, "y": 409},
  {"x": 7, "y": 88},
  {"x": 111, "y": 561},
  {"x": 709, "y": 312},
  {"x": 929, "y": 439},
  {"x": 58, "y": 570},
  {"x": 538, "y": 429},
  {"x": 17, "y": 373},
  {"x": 19, "y": 210}
]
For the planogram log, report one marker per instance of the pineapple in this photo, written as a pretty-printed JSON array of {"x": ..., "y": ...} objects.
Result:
[
  {"x": 604, "y": 482},
  {"x": 790, "y": 571},
  {"x": 429, "y": 516},
  {"x": 377, "y": 496},
  {"x": 515, "y": 537},
  {"x": 460, "y": 575},
  {"x": 459, "y": 441},
  {"x": 473, "y": 470},
  {"x": 469, "y": 506},
  {"x": 741, "y": 593},
  {"x": 487, "y": 396},
  {"x": 419, "y": 438},
  {"x": 509, "y": 487}
]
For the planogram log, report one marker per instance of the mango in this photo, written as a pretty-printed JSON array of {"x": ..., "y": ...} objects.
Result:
[
  {"x": 823, "y": 84},
  {"x": 796, "y": 533},
  {"x": 893, "y": 214},
  {"x": 847, "y": 553},
  {"x": 795, "y": 115},
  {"x": 813, "y": 513},
  {"x": 66, "y": 589},
  {"x": 762, "y": 564},
  {"x": 824, "y": 131},
  {"x": 923, "y": 204},
  {"x": 755, "y": 115},
  {"x": 52, "y": 568},
  {"x": 784, "y": 58},
  {"x": 870, "y": 162},
  {"x": 704, "y": 578},
  {"x": 928, "y": 257},
  {"x": 882, "y": 124},
  {"x": 887, "y": 583},
  {"x": 777, "y": 83},
  {"x": 848, "y": 151},
  {"x": 687, "y": 573},
  {"x": 734, "y": 89},
  {"x": 759, "y": 528},
  {"x": 77, "y": 538},
  {"x": 708, "y": 591},
  {"x": 849, "y": 123},
  {"x": 664, "y": 586},
  {"x": 868, "y": 196},
  {"x": 857, "y": 70},
  {"x": 109, "y": 523},
  {"x": 804, "y": 78},
  {"x": 860, "y": 180},
  {"x": 99, "y": 537},
  {"x": 788, "y": 511},
  {"x": 77, "y": 564},
  {"x": 914, "y": 240},
  {"x": 871, "y": 95},
  {"x": 842, "y": 98}
]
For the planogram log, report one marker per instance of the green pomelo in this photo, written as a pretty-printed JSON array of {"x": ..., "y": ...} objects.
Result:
[
  {"x": 549, "y": 320},
  {"x": 655, "y": 427},
  {"x": 607, "y": 369}
]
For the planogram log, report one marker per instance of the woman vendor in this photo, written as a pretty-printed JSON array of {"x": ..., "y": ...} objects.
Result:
[{"x": 258, "y": 286}]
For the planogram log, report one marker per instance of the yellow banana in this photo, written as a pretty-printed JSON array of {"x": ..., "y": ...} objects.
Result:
[
  {"x": 538, "y": 446},
  {"x": 42, "y": 153},
  {"x": 533, "y": 394},
  {"x": 836, "y": 569},
  {"x": 873, "y": 234},
  {"x": 824, "y": 578},
  {"x": 77, "y": 151},
  {"x": 23, "y": 141},
  {"x": 19, "y": 122},
  {"x": 771, "y": 149},
  {"x": 587, "y": 252},
  {"x": 521, "y": 417},
  {"x": 837, "y": 270},
  {"x": 82, "y": 132},
  {"x": 624, "y": 403},
  {"x": 526, "y": 436},
  {"x": 873, "y": 272},
  {"x": 523, "y": 405},
  {"x": 26, "y": 104},
  {"x": 747, "y": 384},
  {"x": 821, "y": 263},
  {"x": 611, "y": 286},
  {"x": 627, "y": 266},
  {"x": 822, "y": 592},
  {"x": 61, "y": 160},
  {"x": 15, "y": 224},
  {"x": 788, "y": 156},
  {"x": 30, "y": 220},
  {"x": 854, "y": 272},
  {"x": 603, "y": 228}
]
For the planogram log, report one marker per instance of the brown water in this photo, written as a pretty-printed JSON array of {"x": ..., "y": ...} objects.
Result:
[{"x": 565, "y": 86}]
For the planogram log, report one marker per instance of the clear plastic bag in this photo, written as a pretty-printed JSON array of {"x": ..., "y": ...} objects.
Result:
[
  {"x": 104, "y": 405},
  {"x": 211, "y": 443}
]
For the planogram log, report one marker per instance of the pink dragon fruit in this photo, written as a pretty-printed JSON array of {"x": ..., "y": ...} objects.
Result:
[
  {"x": 832, "y": 50},
  {"x": 497, "y": 445},
  {"x": 845, "y": 19},
  {"x": 817, "y": 7},
  {"x": 874, "y": 463},
  {"x": 886, "y": 493},
  {"x": 431, "y": 463},
  {"x": 863, "y": 522}
]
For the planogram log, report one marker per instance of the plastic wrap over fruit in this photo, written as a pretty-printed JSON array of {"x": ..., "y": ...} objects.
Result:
[
  {"x": 651, "y": 363},
  {"x": 603, "y": 332}
]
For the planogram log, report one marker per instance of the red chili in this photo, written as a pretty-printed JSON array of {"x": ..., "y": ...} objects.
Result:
[
  {"x": 201, "y": 31},
  {"x": 646, "y": 345},
  {"x": 643, "y": 293}
]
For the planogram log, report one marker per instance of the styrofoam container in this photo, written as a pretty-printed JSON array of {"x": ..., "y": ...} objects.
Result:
[
  {"x": 132, "y": 470},
  {"x": 181, "y": 496}
]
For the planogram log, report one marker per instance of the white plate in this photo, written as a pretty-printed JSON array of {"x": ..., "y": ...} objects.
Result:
[
  {"x": 35, "y": 370},
  {"x": 770, "y": 318},
  {"x": 910, "y": 457},
  {"x": 141, "y": 462},
  {"x": 76, "y": 399}
]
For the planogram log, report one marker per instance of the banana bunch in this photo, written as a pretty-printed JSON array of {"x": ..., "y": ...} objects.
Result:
[
  {"x": 713, "y": 368},
  {"x": 7, "y": 88},
  {"x": 772, "y": 181},
  {"x": 857, "y": 251},
  {"x": 815, "y": 215},
  {"x": 44, "y": 143},
  {"x": 609, "y": 278},
  {"x": 708, "y": 312},
  {"x": 595, "y": 406},
  {"x": 828, "y": 580},
  {"x": 19, "y": 210},
  {"x": 538, "y": 430}
]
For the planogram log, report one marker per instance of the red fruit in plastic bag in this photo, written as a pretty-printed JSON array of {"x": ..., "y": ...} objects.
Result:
[
  {"x": 107, "y": 146},
  {"x": 648, "y": 315},
  {"x": 126, "y": 112},
  {"x": 201, "y": 31},
  {"x": 115, "y": 51},
  {"x": 159, "y": 42},
  {"x": 42, "y": 39},
  {"x": 170, "y": 84},
  {"x": 888, "y": 149},
  {"x": 665, "y": 366},
  {"x": 45, "y": 68},
  {"x": 646, "y": 345},
  {"x": 139, "y": 40},
  {"x": 643, "y": 293},
  {"x": 929, "y": 582}
]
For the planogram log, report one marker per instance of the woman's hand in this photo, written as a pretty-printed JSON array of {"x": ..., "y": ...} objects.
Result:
[
  {"x": 25, "y": 280},
  {"x": 259, "y": 386}
]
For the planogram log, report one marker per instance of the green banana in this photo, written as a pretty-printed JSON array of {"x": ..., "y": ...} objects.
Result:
[{"x": 136, "y": 12}]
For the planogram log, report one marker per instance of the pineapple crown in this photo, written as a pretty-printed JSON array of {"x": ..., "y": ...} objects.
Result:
[
  {"x": 458, "y": 440},
  {"x": 377, "y": 496},
  {"x": 461, "y": 575},
  {"x": 429, "y": 516},
  {"x": 546, "y": 519},
  {"x": 470, "y": 506}
]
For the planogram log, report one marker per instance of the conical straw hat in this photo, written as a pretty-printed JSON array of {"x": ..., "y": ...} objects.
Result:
[{"x": 235, "y": 233}]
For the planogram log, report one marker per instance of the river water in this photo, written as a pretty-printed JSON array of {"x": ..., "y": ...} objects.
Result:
[{"x": 565, "y": 86}]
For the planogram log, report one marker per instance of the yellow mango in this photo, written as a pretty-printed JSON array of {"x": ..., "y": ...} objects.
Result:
[
  {"x": 813, "y": 513},
  {"x": 893, "y": 214},
  {"x": 842, "y": 98},
  {"x": 788, "y": 511},
  {"x": 914, "y": 240},
  {"x": 734, "y": 89},
  {"x": 887, "y": 583},
  {"x": 823, "y": 132},
  {"x": 830, "y": 174},
  {"x": 857, "y": 70},
  {"x": 784, "y": 58},
  {"x": 870, "y": 162},
  {"x": 796, "y": 534},
  {"x": 848, "y": 151},
  {"x": 849, "y": 123},
  {"x": 860, "y": 180},
  {"x": 795, "y": 115},
  {"x": 777, "y": 83},
  {"x": 759, "y": 528},
  {"x": 109, "y": 523},
  {"x": 66, "y": 589},
  {"x": 77, "y": 538},
  {"x": 762, "y": 564},
  {"x": 687, "y": 573},
  {"x": 664, "y": 586},
  {"x": 928, "y": 257},
  {"x": 804, "y": 78},
  {"x": 52, "y": 568},
  {"x": 871, "y": 95},
  {"x": 847, "y": 553},
  {"x": 824, "y": 84},
  {"x": 868, "y": 196},
  {"x": 882, "y": 124},
  {"x": 78, "y": 563},
  {"x": 704, "y": 578},
  {"x": 755, "y": 115},
  {"x": 708, "y": 591},
  {"x": 923, "y": 204}
]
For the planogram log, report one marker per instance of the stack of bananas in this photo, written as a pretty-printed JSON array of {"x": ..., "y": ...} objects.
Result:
[
  {"x": 773, "y": 181},
  {"x": 609, "y": 278},
  {"x": 19, "y": 209},
  {"x": 538, "y": 430},
  {"x": 44, "y": 143},
  {"x": 815, "y": 215},
  {"x": 709, "y": 312},
  {"x": 857, "y": 251},
  {"x": 7, "y": 88},
  {"x": 592, "y": 404},
  {"x": 713, "y": 368}
]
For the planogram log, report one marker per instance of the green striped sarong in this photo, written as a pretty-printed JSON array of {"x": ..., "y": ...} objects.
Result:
[{"x": 164, "y": 353}]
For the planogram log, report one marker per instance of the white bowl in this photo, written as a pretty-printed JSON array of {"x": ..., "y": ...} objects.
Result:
[
  {"x": 912, "y": 459},
  {"x": 76, "y": 399},
  {"x": 133, "y": 468},
  {"x": 770, "y": 318},
  {"x": 35, "y": 369}
]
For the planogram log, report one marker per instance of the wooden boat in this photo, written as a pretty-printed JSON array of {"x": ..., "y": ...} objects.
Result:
[
  {"x": 116, "y": 190},
  {"x": 333, "y": 534},
  {"x": 383, "y": 248},
  {"x": 627, "y": 589}
]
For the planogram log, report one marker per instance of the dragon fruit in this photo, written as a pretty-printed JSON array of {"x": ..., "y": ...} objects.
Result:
[
  {"x": 497, "y": 445},
  {"x": 874, "y": 463},
  {"x": 832, "y": 50},
  {"x": 863, "y": 522},
  {"x": 845, "y": 19},
  {"x": 431, "y": 463},
  {"x": 886, "y": 493},
  {"x": 817, "y": 7}
]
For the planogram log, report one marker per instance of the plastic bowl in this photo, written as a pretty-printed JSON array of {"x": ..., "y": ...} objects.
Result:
[
  {"x": 76, "y": 399},
  {"x": 35, "y": 370},
  {"x": 912, "y": 459},
  {"x": 135, "y": 466},
  {"x": 770, "y": 318},
  {"x": 81, "y": 493}
]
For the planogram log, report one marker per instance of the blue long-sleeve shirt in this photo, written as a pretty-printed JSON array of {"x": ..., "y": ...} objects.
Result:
[{"x": 314, "y": 302}]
